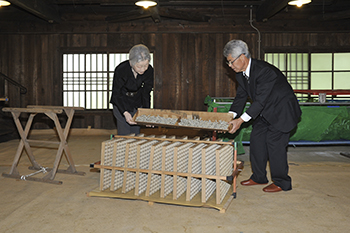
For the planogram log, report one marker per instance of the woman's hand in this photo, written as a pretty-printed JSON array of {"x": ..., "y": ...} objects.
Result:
[{"x": 128, "y": 118}]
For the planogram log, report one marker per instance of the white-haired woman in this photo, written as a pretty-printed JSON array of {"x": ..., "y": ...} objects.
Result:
[{"x": 132, "y": 85}]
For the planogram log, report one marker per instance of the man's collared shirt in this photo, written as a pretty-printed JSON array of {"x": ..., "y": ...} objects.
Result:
[{"x": 245, "y": 117}]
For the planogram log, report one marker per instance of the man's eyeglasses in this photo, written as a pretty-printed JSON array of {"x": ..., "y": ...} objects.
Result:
[{"x": 229, "y": 63}]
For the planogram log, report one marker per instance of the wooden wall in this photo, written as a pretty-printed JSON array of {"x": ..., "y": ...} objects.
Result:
[{"x": 188, "y": 65}]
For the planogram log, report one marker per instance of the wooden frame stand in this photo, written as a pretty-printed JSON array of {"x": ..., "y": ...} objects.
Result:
[{"x": 51, "y": 112}]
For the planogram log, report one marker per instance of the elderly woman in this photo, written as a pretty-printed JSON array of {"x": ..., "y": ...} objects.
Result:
[{"x": 132, "y": 84}]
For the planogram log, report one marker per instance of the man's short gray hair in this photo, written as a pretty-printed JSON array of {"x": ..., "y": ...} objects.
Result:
[
  {"x": 236, "y": 48},
  {"x": 139, "y": 53}
]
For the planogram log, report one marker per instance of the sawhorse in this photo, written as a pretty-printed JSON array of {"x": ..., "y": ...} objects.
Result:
[{"x": 51, "y": 112}]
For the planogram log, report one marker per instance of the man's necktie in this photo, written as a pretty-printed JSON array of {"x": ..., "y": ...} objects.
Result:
[
  {"x": 247, "y": 77},
  {"x": 249, "y": 86}
]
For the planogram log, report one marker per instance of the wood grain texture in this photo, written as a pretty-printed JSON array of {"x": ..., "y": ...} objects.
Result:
[{"x": 188, "y": 65}]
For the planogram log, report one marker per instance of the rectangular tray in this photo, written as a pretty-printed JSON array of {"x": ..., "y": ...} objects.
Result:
[{"x": 181, "y": 114}]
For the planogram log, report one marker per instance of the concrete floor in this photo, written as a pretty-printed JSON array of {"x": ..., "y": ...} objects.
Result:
[{"x": 319, "y": 201}]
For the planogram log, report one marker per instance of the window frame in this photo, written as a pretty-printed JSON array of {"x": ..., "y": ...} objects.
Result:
[
  {"x": 309, "y": 52},
  {"x": 109, "y": 73}
]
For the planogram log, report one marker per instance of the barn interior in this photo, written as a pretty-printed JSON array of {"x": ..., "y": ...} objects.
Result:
[{"x": 186, "y": 39}]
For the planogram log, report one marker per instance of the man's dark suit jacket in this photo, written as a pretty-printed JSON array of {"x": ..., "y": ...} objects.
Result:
[{"x": 273, "y": 97}]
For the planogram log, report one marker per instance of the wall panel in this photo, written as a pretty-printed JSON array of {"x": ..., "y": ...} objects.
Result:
[{"x": 188, "y": 65}]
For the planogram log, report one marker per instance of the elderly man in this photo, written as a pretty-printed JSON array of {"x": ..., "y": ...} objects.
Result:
[{"x": 275, "y": 111}]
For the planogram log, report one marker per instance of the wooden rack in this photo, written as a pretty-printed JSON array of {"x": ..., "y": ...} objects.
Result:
[
  {"x": 169, "y": 170},
  {"x": 181, "y": 114}
]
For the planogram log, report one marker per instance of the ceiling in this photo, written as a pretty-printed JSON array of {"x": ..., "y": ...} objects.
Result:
[{"x": 115, "y": 11}]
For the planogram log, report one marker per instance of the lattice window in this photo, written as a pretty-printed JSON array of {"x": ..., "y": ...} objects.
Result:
[
  {"x": 295, "y": 66},
  {"x": 330, "y": 71},
  {"x": 88, "y": 79}
]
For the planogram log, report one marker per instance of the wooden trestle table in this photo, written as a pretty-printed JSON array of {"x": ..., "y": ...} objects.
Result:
[{"x": 51, "y": 112}]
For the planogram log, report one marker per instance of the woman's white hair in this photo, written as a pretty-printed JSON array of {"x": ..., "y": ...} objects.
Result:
[{"x": 139, "y": 53}]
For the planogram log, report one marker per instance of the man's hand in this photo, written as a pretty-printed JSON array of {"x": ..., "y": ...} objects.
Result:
[
  {"x": 235, "y": 124},
  {"x": 128, "y": 118}
]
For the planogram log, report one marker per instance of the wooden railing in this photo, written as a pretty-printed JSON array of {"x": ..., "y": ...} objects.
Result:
[{"x": 22, "y": 89}]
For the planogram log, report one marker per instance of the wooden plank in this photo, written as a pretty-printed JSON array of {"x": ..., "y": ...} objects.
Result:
[
  {"x": 23, "y": 143},
  {"x": 204, "y": 172},
  {"x": 217, "y": 180},
  {"x": 190, "y": 157},
  {"x": 42, "y": 141},
  {"x": 177, "y": 54},
  {"x": 160, "y": 172},
  {"x": 53, "y": 107},
  {"x": 162, "y": 186},
  {"x": 125, "y": 168},
  {"x": 137, "y": 178},
  {"x": 195, "y": 140},
  {"x": 150, "y": 165},
  {"x": 227, "y": 204},
  {"x": 219, "y": 60},
  {"x": 197, "y": 81},
  {"x": 30, "y": 110},
  {"x": 168, "y": 65},
  {"x": 203, "y": 84},
  {"x": 346, "y": 154},
  {"x": 175, "y": 177},
  {"x": 234, "y": 169},
  {"x": 185, "y": 70},
  {"x": 39, "y": 8},
  {"x": 114, "y": 158}
]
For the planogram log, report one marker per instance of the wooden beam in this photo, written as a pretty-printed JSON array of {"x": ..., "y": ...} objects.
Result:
[
  {"x": 40, "y": 8},
  {"x": 331, "y": 16},
  {"x": 269, "y": 8},
  {"x": 177, "y": 14},
  {"x": 154, "y": 14},
  {"x": 129, "y": 16}
]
